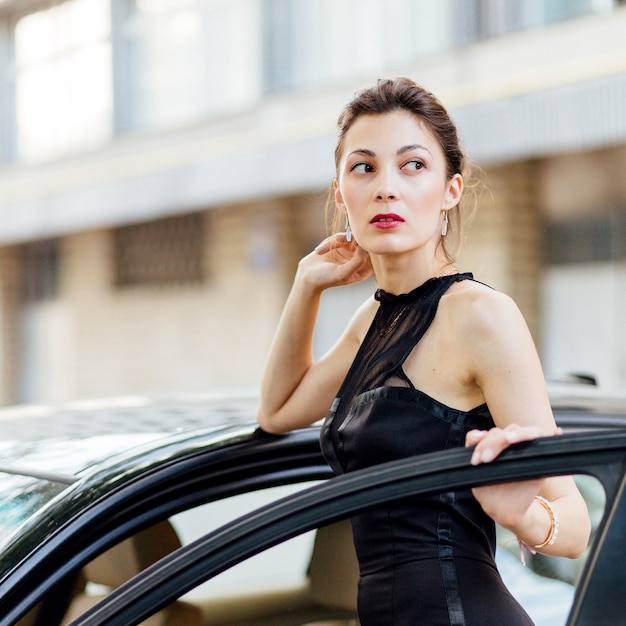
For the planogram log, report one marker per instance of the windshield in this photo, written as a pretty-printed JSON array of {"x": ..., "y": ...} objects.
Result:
[{"x": 21, "y": 497}]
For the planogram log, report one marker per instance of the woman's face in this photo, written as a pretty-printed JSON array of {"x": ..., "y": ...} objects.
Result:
[{"x": 392, "y": 182}]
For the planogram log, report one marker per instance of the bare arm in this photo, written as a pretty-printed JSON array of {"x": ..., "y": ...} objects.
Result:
[
  {"x": 506, "y": 368},
  {"x": 296, "y": 390}
]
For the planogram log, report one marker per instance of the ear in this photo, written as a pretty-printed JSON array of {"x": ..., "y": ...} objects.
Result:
[
  {"x": 454, "y": 191},
  {"x": 339, "y": 203}
]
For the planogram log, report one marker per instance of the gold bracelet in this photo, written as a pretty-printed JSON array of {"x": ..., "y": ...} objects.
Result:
[{"x": 554, "y": 523}]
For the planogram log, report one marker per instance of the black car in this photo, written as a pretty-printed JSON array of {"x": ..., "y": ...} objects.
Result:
[{"x": 98, "y": 500}]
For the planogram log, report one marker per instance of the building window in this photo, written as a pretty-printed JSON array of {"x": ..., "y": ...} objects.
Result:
[
  {"x": 480, "y": 19},
  {"x": 308, "y": 43},
  {"x": 587, "y": 240},
  {"x": 279, "y": 41},
  {"x": 40, "y": 261},
  {"x": 180, "y": 61},
  {"x": 63, "y": 82},
  {"x": 169, "y": 251}
]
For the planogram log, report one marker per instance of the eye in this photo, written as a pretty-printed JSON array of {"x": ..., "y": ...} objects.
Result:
[
  {"x": 414, "y": 165},
  {"x": 362, "y": 168}
]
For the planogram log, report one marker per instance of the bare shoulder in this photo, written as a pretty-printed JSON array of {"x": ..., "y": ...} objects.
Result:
[
  {"x": 497, "y": 354},
  {"x": 489, "y": 331},
  {"x": 476, "y": 311}
]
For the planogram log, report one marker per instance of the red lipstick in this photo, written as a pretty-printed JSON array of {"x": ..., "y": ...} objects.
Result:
[{"x": 386, "y": 220}]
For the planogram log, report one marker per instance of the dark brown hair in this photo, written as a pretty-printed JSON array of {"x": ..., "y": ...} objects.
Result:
[{"x": 403, "y": 94}]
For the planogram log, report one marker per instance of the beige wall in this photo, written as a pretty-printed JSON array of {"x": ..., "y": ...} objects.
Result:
[
  {"x": 579, "y": 184},
  {"x": 106, "y": 340},
  {"x": 160, "y": 339},
  {"x": 8, "y": 324},
  {"x": 584, "y": 303},
  {"x": 503, "y": 240}
]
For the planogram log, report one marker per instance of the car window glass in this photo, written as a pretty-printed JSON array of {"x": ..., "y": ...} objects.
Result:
[
  {"x": 21, "y": 497},
  {"x": 283, "y": 565},
  {"x": 281, "y": 568},
  {"x": 545, "y": 585}
]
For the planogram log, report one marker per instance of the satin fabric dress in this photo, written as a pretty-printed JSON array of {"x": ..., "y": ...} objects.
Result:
[{"x": 422, "y": 560}]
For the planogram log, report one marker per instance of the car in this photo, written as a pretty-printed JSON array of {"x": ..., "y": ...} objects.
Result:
[{"x": 123, "y": 510}]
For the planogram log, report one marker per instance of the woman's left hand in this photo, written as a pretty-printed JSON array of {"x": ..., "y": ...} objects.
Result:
[{"x": 505, "y": 503}]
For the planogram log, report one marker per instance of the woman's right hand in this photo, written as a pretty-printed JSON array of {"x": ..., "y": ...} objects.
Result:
[
  {"x": 297, "y": 389},
  {"x": 334, "y": 262}
]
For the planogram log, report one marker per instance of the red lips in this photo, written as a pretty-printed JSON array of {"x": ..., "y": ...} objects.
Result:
[{"x": 386, "y": 220}]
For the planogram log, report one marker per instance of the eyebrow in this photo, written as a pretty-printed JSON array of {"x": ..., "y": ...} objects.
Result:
[
  {"x": 413, "y": 146},
  {"x": 364, "y": 151},
  {"x": 400, "y": 151}
]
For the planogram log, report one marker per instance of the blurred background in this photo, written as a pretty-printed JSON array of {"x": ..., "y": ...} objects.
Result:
[{"x": 164, "y": 164}]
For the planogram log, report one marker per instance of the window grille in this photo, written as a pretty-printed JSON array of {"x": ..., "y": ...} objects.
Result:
[
  {"x": 168, "y": 251},
  {"x": 587, "y": 240}
]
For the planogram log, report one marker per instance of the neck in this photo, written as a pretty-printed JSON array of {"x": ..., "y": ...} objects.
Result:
[{"x": 402, "y": 275}]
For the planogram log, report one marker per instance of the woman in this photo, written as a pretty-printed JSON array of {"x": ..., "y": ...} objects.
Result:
[{"x": 434, "y": 360}]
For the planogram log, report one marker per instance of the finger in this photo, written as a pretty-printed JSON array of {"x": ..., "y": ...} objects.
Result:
[
  {"x": 498, "y": 439},
  {"x": 335, "y": 241},
  {"x": 474, "y": 436},
  {"x": 512, "y": 436},
  {"x": 323, "y": 247},
  {"x": 490, "y": 445},
  {"x": 356, "y": 268},
  {"x": 514, "y": 433},
  {"x": 483, "y": 455}
]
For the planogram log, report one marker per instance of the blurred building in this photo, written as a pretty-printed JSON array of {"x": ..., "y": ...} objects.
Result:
[{"x": 164, "y": 164}]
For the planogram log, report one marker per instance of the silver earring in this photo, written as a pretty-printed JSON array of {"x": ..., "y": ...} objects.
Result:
[
  {"x": 444, "y": 224},
  {"x": 348, "y": 232}
]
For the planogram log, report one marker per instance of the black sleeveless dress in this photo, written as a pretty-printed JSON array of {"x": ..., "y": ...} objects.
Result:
[{"x": 422, "y": 560}]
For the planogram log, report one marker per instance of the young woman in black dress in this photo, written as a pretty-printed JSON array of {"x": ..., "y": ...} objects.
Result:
[{"x": 433, "y": 360}]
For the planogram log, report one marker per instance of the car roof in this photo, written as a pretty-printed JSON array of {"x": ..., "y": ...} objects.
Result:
[
  {"x": 567, "y": 396},
  {"x": 70, "y": 439}
]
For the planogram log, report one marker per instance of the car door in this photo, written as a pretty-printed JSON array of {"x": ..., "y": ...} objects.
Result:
[{"x": 600, "y": 596}]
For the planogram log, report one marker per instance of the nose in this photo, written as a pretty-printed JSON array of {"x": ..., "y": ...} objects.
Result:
[
  {"x": 386, "y": 189},
  {"x": 385, "y": 195}
]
